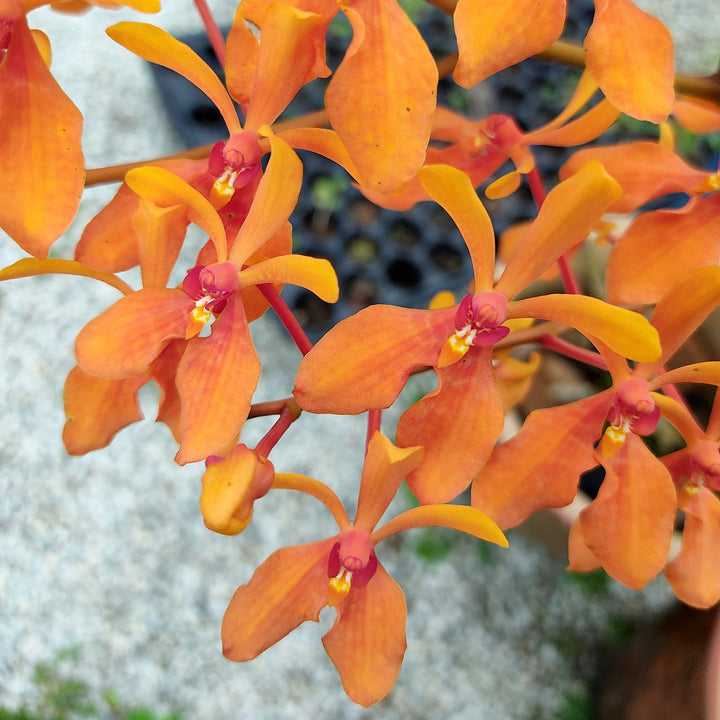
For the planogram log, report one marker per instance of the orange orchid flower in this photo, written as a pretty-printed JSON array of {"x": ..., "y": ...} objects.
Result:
[
  {"x": 217, "y": 374},
  {"x": 660, "y": 246},
  {"x": 367, "y": 641},
  {"x": 380, "y": 99},
  {"x": 42, "y": 169},
  {"x": 480, "y": 147},
  {"x": 628, "y": 52},
  {"x": 459, "y": 423},
  {"x": 560, "y": 441}
]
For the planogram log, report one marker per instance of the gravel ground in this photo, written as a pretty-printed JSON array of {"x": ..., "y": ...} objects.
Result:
[{"x": 108, "y": 553}]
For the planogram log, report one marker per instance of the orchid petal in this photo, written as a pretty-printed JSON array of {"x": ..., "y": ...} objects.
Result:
[
  {"x": 466, "y": 519},
  {"x": 682, "y": 309},
  {"x": 623, "y": 331},
  {"x": 315, "y": 274},
  {"x": 694, "y": 575},
  {"x": 286, "y": 61},
  {"x": 160, "y": 234},
  {"x": 584, "y": 90},
  {"x": 560, "y": 442},
  {"x": 629, "y": 53},
  {"x": 97, "y": 408},
  {"x": 580, "y": 131},
  {"x": 704, "y": 372},
  {"x": 242, "y": 50},
  {"x": 386, "y": 465},
  {"x": 566, "y": 217},
  {"x": 493, "y": 36},
  {"x": 457, "y": 424},
  {"x": 321, "y": 141},
  {"x": 166, "y": 189},
  {"x": 453, "y": 190},
  {"x": 159, "y": 47},
  {"x": 340, "y": 375},
  {"x": 129, "y": 335},
  {"x": 387, "y": 75},
  {"x": 42, "y": 169},
  {"x": 659, "y": 248},
  {"x": 109, "y": 241},
  {"x": 29, "y": 267},
  {"x": 216, "y": 380},
  {"x": 580, "y": 557},
  {"x": 629, "y": 525},
  {"x": 275, "y": 199},
  {"x": 289, "y": 588},
  {"x": 367, "y": 642},
  {"x": 644, "y": 169},
  {"x": 696, "y": 115},
  {"x": 163, "y": 371}
]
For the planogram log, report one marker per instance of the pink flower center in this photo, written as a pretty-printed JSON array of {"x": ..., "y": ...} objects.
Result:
[
  {"x": 351, "y": 563},
  {"x": 235, "y": 164},
  {"x": 633, "y": 408},
  {"x": 211, "y": 285}
]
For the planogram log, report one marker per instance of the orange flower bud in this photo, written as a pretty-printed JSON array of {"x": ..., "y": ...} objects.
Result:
[{"x": 231, "y": 486}]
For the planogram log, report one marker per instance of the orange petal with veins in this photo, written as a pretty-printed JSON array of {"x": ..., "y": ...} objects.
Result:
[
  {"x": 644, "y": 169},
  {"x": 629, "y": 53},
  {"x": 216, "y": 380},
  {"x": 97, "y": 408},
  {"x": 42, "y": 169},
  {"x": 540, "y": 467},
  {"x": 660, "y": 248},
  {"x": 630, "y": 523},
  {"x": 343, "y": 376},
  {"x": 694, "y": 575},
  {"x": 458, "y": 424},
  {"x": 290, "y": 587},
  {"x": 367, "y": 642},
  {"x": 386, "y": 465},
  {"x": 129, "y": 335}
]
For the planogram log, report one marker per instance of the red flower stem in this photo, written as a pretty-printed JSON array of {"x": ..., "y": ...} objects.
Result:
[
  {"x": 288, "y": 415},
  {"x": 286, "y": 317},
  {"x": 213, "y": 31},
  {"x": 563, "y": 347},
  {"x": 537, "y": 189},
  {"x": 373, "y": 424}
]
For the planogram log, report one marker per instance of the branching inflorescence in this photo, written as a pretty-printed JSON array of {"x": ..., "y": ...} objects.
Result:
[{"x": 381, "y": 123}]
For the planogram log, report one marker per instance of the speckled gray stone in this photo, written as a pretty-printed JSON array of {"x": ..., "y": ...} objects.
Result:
[{"x": 108, "y": 552}]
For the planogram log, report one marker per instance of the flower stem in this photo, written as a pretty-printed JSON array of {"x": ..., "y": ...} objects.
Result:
[
  {"x": 563, "y": 347},
  {"x": 373, "y": 424},
  {"x": 213, "y": 31},
  {"x": 288, "y": 415},
  {"x": 286, "y": 317}
]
